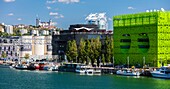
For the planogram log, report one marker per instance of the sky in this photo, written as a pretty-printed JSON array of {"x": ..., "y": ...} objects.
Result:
[{"x": 67, "y": 12}]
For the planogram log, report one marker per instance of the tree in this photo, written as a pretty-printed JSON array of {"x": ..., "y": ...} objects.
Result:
[
  {"x": 72, "y": 51},
  {"x": 108, "y": 49},
  {"x": 68, "y": 51},
  {"x": 4, "y": 34},
  {"x": 88, "y": 49},
  {"x": 3, "y": 55},
  {"x": 95, "y": 50},
  {"x": 17, "y": 32},
  {"x": 27, "y": 56},
  {"x": 82, "y": 52},
  {"x": 112, "y": 48},
  {"x": 103, "y": 59},
  {"x": 92, "y": 52}
]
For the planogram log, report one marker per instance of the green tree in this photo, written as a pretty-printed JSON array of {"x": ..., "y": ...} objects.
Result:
[
  {"x": 72, "y": 51},
  {"x": 68, "y": 52},
  {"x": 4, "y": 34},
  {"x": 17, "y": 32},
  {"x": 82, "y": 52},
  {"x": 27, "y": 56},
  {"x": 95, "y": 50},
  {"x": 3, "y": 55},
  {"x": 92, "y": 51},
  {"x": 108, "y": 49},
  {"x": 103, "y": 59},
  {"x": 112, "y": 48},
  {"x": 87, "y": 49}
]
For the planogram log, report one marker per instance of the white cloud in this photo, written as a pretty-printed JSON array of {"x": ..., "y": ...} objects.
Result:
[
  {"x": 110, "y": 19},
  {"x": 53, "y": 13},
  {"x": 56, "y": 15},
  {"x": 10, "y": 14},
  {"x": 131, "y": 8},
  {"x": 19, "y": 19},
  {"x": 54, "y": 23},
  {"x": 69, "y": 1},
  {"x": 59, "y": 16},
  {"x": 48, "y": 7},
  {"x": 9, "y": 0},
  {"x": 51, "y": 1}
]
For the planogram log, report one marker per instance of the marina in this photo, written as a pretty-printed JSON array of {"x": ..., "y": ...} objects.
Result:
[
  {"x": 84, "y": 44},
  {"x": 82, "y": 68},
  {"x": 25, "y": 79}
]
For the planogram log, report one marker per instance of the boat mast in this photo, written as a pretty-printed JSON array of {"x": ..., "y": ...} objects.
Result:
[
  {"x": 128, "y": 61},
  {"x": 143, "y": 61}
]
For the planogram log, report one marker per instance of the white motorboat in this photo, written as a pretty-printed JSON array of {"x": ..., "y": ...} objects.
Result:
[
  {"x": 163, "y": 72},
  {"x": 89, "y": 71},
  {"x": 81, "y": 69},
  {"x": 21, "y": 66},
  {"x": 128, "y": 72},
  {"x": 53, "y": 68},
  {"x": 97, "y": 71},
  {"x": 12, "y": 66}
]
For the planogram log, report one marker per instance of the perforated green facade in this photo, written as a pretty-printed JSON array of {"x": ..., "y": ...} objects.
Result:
[{"x": 142, "y": 38}]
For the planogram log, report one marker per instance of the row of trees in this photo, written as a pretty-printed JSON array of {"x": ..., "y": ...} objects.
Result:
[{"x": 90, "y": 51}]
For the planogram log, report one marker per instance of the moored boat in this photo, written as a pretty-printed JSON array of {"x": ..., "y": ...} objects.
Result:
[
  {"x": 128, "y": 72},
  {"x": 97, "y": 71},
  {"x": 36, "y": 66},
  {"x": 31, "y": 67},
  {"x": 163, "y": 72},
  {"x": 53, "y": 68},
  {"x": 21, "y": 66},
  {"x": 89, "y": 71},
  {"x": 81, "y": 69}
]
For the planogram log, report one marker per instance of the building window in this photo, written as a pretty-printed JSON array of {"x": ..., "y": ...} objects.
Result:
[
  {"x": 125, "y": 46},
  {"x": 125, "y": 40}
]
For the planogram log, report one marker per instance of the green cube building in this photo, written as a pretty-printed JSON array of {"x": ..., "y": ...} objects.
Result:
[{"x": 142, "y": 39}]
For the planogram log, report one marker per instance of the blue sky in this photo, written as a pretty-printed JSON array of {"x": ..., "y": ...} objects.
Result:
[{"x": 66, "y": 12}]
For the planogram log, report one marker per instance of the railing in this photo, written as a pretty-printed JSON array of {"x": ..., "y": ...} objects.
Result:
[{"x": 86, "y": 33}]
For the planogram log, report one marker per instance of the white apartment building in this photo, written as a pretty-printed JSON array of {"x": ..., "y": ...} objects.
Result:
[
  {"x": 37, "y": 47},
  {"x": 9, "y": 29}
]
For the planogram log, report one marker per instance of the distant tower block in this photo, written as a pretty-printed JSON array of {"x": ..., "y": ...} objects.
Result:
[{"x": 99, "y": 19}]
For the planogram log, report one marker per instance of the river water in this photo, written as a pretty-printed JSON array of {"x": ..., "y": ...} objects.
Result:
[{"x": 20, "y": 79}]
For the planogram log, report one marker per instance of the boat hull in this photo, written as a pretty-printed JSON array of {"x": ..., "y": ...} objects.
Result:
[
  {"x": 119, "y": 72},
  {"x": 160, "y": 75},
  {"x": 80, "y": 71}
]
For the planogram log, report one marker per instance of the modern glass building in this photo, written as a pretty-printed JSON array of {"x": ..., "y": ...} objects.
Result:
[{"x": 142, "y": 39}]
